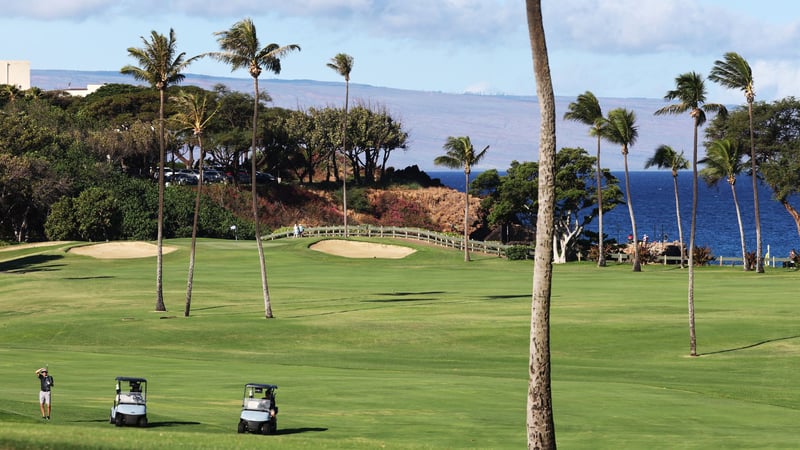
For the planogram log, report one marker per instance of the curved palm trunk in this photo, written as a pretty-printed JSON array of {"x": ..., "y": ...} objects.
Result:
[
  {"x": 678, "y": 215},
  {"x": 256, "y": 226},
  {"x": 756, "y": 209},
  {"x": 539, "y": 424},
  {"x": 466, "y": 215},
  {"x": 601, "y": 258},
  {"x": 741, "y": 228},
  {"x": 190, "y": 279},
  {"x": 692, "y": 334},
  {"x": 160, "y": 246},
  {"x": 637, "y": 262}
]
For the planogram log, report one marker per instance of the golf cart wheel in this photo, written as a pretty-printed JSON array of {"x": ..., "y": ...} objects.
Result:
[
  {"x": 142, "y": 421},
  {"x": 263, "y": 428},
  {"x": 242, "y": 427},
  {"x": 110, "y": 419},
  {"x": 119, "y": 420}
]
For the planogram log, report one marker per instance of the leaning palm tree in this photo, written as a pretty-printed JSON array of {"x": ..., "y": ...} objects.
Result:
[
  {"x": 539, "y": 420},
  {"x": 586, "y": 110},
  {"x": 667, "y": 158},
  {"x": 161, "y": 66},
  {"x": 621, "y": 129},
  {"x": 192, "y": 115},
  {"x": 241, "y": 49},
  {"x": 734, "y": 72},
  {"x": 724, "y": 160},
  {"x": 690, "y": 93},
  {"x": 342, "y": 63},
  {"x": 461, "y": 154}
]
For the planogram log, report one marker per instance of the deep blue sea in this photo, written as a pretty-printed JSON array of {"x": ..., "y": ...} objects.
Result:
[{"x": 653, "y": 201}]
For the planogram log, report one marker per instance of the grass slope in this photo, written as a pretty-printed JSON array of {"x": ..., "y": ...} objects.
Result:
[{"x": 422, "y": 352}]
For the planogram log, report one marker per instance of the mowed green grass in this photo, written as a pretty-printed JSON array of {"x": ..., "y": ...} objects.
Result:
[{"x": 421, "y": 352}]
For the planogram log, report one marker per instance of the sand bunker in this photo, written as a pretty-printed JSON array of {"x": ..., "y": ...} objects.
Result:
[
  {"x": 121, "y": 250},
  {"x": 356, "y": 249}
]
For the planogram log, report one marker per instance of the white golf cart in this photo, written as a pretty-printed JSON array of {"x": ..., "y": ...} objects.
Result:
[
  {"x": 130, "y": 402},
  {"x": 259, "y": 411}
]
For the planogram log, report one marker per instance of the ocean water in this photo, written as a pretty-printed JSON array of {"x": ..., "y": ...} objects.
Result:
[{"x": 653, "y": 199}]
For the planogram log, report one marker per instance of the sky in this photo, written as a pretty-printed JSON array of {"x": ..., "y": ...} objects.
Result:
[{"x": 614, "y": 48}]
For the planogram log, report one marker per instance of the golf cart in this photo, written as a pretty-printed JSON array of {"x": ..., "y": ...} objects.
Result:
[
  {"x": 259, "y": 411},
  {"x": 130, "y": 402}
]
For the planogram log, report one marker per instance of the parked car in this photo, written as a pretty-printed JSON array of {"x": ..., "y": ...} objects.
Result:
[
  {"x": 191, "y": 172},
  {"x": 183, "y": 179},
  {"x": 212, "y": 176},
  {"x": 167, "y": 174},
  {"x": 264, "y": 178}
]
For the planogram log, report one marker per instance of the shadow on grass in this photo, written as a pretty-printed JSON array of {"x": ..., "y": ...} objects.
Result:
[
  {"x": 401, "y": 294},
  {"x": 299, "y": 430},
  {"x": 400, "y": 300},
  {"x": 211, "y": 307},
  {"x": 170, "y": 424},
  {"x": 33, "y": 263},
  {"x": 504, "y": 297},
  {"x": 100, "y": 277},
  {"x": 745, "y": 347}
]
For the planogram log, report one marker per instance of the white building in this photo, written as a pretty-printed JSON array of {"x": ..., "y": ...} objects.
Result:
[{"x": 16, "y": 73}]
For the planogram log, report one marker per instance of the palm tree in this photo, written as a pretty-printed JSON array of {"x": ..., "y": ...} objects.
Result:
[
  {"x": 667, "y": 158},
  {"x": 724, "y": 160},
  {"x": 160, "y": 65},
  {"x": 621, "y": 129},
  {"x": 241, "y": 49},
  {"x": 586, "y": 110},
  {"x": 342, "y": 63},
  {"x": 461, "y": 153},
  {"x": 734, "y": 72},
  {"x": 192, "y": 115},
  {"x": 539, "y": 424},
  {"x": 690, "y": 92}
]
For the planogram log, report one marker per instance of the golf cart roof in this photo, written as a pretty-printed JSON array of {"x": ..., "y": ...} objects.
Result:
[
  {"x": 131, "y": 379},
  {"x": 261, "y": 385}
]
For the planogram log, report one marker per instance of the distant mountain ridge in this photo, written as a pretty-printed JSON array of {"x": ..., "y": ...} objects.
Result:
[{"x": 509, "y": 124}]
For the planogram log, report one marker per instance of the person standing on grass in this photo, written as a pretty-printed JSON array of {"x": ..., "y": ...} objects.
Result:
[{"x": 44, "y": 393}]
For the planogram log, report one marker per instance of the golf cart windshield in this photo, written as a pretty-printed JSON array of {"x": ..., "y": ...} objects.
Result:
[
  {"x": 258, "y": 397},
  {"x": 132, "y": 391}
]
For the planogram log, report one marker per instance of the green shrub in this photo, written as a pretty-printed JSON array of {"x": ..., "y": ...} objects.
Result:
[
  {"x": 60, "y": 224},
  {"x": 517, "y": 252}
]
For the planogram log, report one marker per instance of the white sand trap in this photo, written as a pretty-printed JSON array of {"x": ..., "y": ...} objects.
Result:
[
  {"x": 356, "y": 249},
  {"x": 121, "y": 250}
]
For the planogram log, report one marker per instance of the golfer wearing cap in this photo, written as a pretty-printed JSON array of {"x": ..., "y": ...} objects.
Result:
[{"x": 44, "y": 393}]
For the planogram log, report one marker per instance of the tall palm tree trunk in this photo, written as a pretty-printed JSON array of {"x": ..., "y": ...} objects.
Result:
[
  {"x": 692, "y": 229},
  {"x": 678, "y": 215},
  {"x": 466, "y": 216},
  {"x": 256, "y": 225},
  {"x": 637, "y": 262},
  {"x": 601, "y": 259},
  {"x": 160, "y": 247},
  {"x": 741, "y": 228},
  {"x": 753, "y": 174},
  {"x": 192, "y": 251},
  {"x": 344, "y": 155},
  {"x": 539, "y": 425}
]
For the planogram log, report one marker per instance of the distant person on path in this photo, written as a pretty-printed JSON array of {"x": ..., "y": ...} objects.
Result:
[
  {"x": 44, "y": 392},
  {"x": 300, "y": 229},
  {"x": 793, "y": 257},
  {"x": 296, "y": 230}
]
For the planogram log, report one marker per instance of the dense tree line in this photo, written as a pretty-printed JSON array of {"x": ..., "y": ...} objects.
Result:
[{"x": 58, "y": 151}]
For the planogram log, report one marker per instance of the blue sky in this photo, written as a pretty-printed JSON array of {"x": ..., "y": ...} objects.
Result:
[{"x": 615, "y": 48}]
